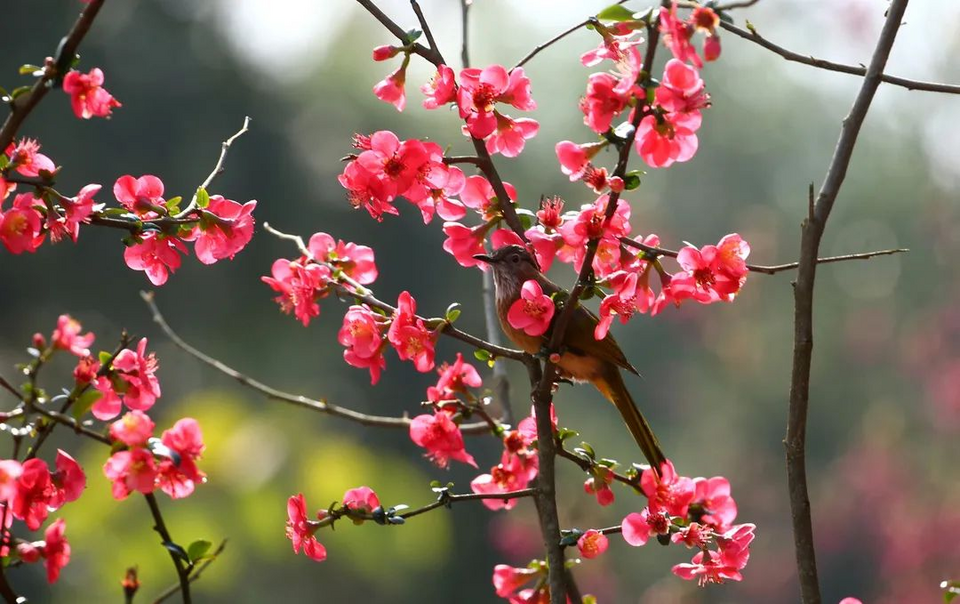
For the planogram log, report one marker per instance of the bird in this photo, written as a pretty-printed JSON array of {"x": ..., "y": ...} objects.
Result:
[{"x": 583, "y": 358}]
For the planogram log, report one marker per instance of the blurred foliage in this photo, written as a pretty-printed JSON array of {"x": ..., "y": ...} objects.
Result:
[{"x": 885, "y": 398}]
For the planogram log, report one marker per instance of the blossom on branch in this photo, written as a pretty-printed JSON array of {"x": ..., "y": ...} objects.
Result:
[
  {"x": 299, "y": 286},
  {"x": 361, "y": 334},
  {"x": 26, "y": 159},
  {"x": 441, "y": 437},
  {"x": 55, "y": 549},
  {"x": 225, "y": 228},
  {"x": 300, "y": 529},
  {"x": 21, "y": 227},
  {"x": 592, "y": 543},
  {"x": 87, "y": 95},
  {"x": 410, "y": 337},
  {"x": 156, "y": 255},
  {"x": 533, "y": 311},
  {"x": 67, "y": 337}
]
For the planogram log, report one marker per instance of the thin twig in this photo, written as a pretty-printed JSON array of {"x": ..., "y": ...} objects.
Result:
[
  {"x": 733, "y": 5},
  {"x": 161, "y": 528},
  {"x": 219, "y": 168},
  {"x": 194, "y": 574},
  {"x": 21, "y": 107},
  {"x": 465, "y": 32},
  {"x": 857, "y": 70},
  {"x": 444, "y": 500},
  {"x": 77, "y": 427},
  {"x": 812, "y": 232},
  {"x": 539, "y": 48},
  {"x": 426, "y": 29},
  {"x": 321, "y": 406},
  {"x": 427, "y": 53},
  {"x": 768, "y": 269}
]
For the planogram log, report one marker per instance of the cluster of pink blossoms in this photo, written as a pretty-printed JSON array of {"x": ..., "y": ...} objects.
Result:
[
  {"x": 438, "y": 432},
  {"x": 302, "y": 282},
  {"x": 222, "y": 228},
  {"x": 476, "y": 97},
  {"x": 145, "y": 465},
  {"x": 697, "y": 512},
  {"x": 358, "y": 504},
  {"x": 30, "y": 492}
]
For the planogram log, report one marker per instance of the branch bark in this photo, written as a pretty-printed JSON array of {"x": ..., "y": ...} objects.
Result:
[
  {"x": 812, "y": 232},
  {"x": 160, "y": 526}
]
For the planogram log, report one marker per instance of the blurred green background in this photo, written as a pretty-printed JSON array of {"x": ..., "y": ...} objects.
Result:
[{"x": 885, "y": 410}]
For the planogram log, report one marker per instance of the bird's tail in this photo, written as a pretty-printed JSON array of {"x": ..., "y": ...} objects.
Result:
[{"x": 612, "y": 387}]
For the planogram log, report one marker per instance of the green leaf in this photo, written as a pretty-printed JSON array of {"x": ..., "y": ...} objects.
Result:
[
  {"x": 4, "y": 160},
  {"x": 616, "y": 12},
  {"x": 85, "y": 401},
  {"x": 565, "y": 433},
  {"x": 19, "y": 91},
  {"x": 589, "y": 599},
  {"x": 631, "y": 180},
  {"x": 481, "y": 355},
  {"x": 177, "y": 550},
  {"x": 28, "y": 69},
  {"x": 203, "y": 198},
  {"x": 4, "y": 96},
  {"x": 951, "y": 590},
  {"x": 453, "y": 312},
  {"x": 173, "y": 204},
  {"x": 104, "y": 357},
  {"x": 198, "y": 550},
  {"x": 413, "y": 35},
  {"x": 527, "y": 218}
]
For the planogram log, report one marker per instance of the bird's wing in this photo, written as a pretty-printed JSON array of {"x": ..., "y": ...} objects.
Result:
[{"x": 579, "y": 337}]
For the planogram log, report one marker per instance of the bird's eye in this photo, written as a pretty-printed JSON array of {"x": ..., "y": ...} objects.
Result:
[{"x": 515, "y": 258}]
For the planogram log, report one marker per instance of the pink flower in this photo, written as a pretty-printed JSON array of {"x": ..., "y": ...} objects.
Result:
[
  {"x": 507, "y": 579},
  {"x": 713, "y": 496},
  {"x": 67, "y": 337},
  {"x": 436, "y": 195},
  {"x": 391, "y": 88},
  {"x": 724, "y": 564},
  {"x": 394, "y": 163},
  {"x": 131, "y": 470},
  {"x": 481, "y": 90},
  {"x": 410, "y": 337},
  {"x": 138, "y": 370},
  {"x": 454, "y": 379},
  {"x": 178, "y": 477},
  {"x": 86, "y": 370},
  {"x": 638, "y": 528},
  {"x": 10, "y": 471},
  {"x": 35, "y": 493},
  {"x": 75, "y": 211},
  {"x": 591, "y": 223},
  {"x": 550, "y": 214},
  {"x": 592, "y": 543},
  {"x": 28, "y": 552},
  {"x": 356, "y": 261},
  {"x": 300, "y": 530},
  {"x": 134, "y": 429},
  {"x": 850, "y": 600},
  {"x": 630, "y": 294},
  {"x": 511, "y": 474},
  {"x": 6, "y": 187},
  {"x": 617, "y": 39},
  {"x": 21, "y": 225},
  {"x": 108, "y": 405},
  {"x": 533, "y": 311},
  {"x": 156, "y": 256},
  {"x": 478, "y": 195},
  {"x": 463, "y": 243},
  {"x": 26, "y": 158},
  {"x": 299, "y": 287},
  {"x": 441, "y": 437},
  {"x": 511, "y": 135},
  {"x": 600, "y": 487},
  {"x": 662, "y": 141},
  {"x": 732, "y": 252},
  {"x": 669, "y": 492},
  {"x": 441, "y": 89},
  {"x": 361, "y": 499},
  {"x": 682, "y": 91},
  {"x": 711, "y": 273},
  {"x": 87, "y": 96},
  {"x": 382, "y": 53},
  {"x": 361, "y": 335},
  {"x": 143, "y": 196},
  {"x": 56, "y": 549},
  {"x": 69, "y": 481},
  {"x": 575, "y": 163},
  {"x": 676, "y": 36},
  {"x": 225, "y": 228},
  {"x": 602, "y": 101},
  {"x": 694, "y": 535},
  {"x": 365, "y": 190},
  {"x": 711, "y": 48}
]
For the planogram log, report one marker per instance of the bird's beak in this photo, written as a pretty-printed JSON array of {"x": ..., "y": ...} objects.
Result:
[{"x": 484, "y": 258}]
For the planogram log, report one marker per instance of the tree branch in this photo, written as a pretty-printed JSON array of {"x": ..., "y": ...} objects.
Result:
[
  {"x": 426, "y": 30},
  {"x": 541, "y": 47},
  {"x": 219, "y": 168},
  {"x": 465, "y": 32},
  {"x": 194, "y": 574},
  {"x": 161, "y": 528},
  {"x": 21, "y": 107},
  {"x": 812, "y": 232},
  {"x": 857, "y": 70},
  {"x": 427, "y": 53},
  {"x": 768, "y": 269}
]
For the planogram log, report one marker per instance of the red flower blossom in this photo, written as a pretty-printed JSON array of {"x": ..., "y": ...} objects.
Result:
[
  {"x": 481, "y": 90},
  {"x": 56, "y": 549},
  {"x": 361, "y": 499},
  {"x": 131, "y": 470},
  {"x": 361, "y": 335},
  {"x": 156, "y": 256},
  {"x": 179, "y": 476},
  {"x": 592, "y": 543},
  {"x": 26, "y": 159},
  {"x": 134, "y": 429},
  {"x": 463, "y": 242},
  {"x": 300, "y": 530},
  {"x": 69, "y": 481},
  {"x": 75, "y": 211},
  {"x": 87, "y": 95},
  {"x": 35, "y": 493},
  {"x": 225, "y": 228},
  {"x": 510, "y": 135},
  {"x": 299, "y": 286},
  {"x": 441, "y": 437},
  {"x": 663, "y": 140},
  {"x": 67, "y": 337},
  {"x": 10, "y": 471},
  {"x": 533, "y": 311},
  {"x": 138, "y": 369},
  {"x": 410, "y": 337},
  {"x": 639, "y": 527},
  {"x": 356, "y": 261},
  {"x": 143, "y": 196},
  {"x": 669, "y": 492},
  {"x": 507, "y": 579},
  {"x": 441, "y": 89},
  {"x": 21, "y": 226},
  {"x": 391, "y": 88}
]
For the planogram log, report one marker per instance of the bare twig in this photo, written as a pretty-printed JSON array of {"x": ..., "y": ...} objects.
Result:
[
  {"x": 465, "y": 31},
  {"x": 426, "y": 29},
  {"x": 21, "y": 107},
  {"x": 733, "y": 5},
  {"x": 321, "y": 405},
  {"x": 194, "y": 574},
  {"x": 812, "y": 232},
  {"x": 539, "y": 48},
  {"x": 427, "y": 53},
  {"x": 168, "y": 542},
  {"x": 219, "y": 168},
  {"x": 857, "y": 70},
  {"x": 768, "y": 269}
]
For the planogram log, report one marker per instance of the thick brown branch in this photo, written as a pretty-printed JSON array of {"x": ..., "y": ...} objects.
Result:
[
  {"x": 21, "y": 107},
  {"x": 768, "y": 269},
  {"x": 812, "y": 232},
  {"x": 857, "y": 70}
]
